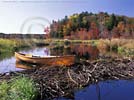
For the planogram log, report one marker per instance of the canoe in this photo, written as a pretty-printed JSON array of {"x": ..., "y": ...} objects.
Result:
[
  {"x": 23, "y": 66},
  {"x": 50, "y": 60}
]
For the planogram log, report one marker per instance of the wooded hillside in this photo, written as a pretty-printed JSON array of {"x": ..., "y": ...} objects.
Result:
[{"x": 92, "y": 26}]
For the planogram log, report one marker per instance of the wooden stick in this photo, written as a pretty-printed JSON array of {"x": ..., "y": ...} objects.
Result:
[{"x": 71, "y": 77}]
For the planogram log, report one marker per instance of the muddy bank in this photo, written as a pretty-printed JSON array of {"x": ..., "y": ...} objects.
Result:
[{"x": 53, "y": 82}]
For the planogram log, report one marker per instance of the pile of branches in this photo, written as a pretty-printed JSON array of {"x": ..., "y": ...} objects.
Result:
[{"x": 53, "y": 82}]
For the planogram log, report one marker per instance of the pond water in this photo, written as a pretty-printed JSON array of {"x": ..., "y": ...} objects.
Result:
[
  {"x": 8, "y": 63},
  {"x": 107, "y": 90}
]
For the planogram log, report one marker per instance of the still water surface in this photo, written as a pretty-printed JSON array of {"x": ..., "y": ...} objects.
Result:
[{"x": 107, "y": 90}]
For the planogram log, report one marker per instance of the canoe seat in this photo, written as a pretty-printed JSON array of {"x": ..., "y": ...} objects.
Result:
[
  {"x": 29, "y": 55},
  {"x": 36, "y": 56}
]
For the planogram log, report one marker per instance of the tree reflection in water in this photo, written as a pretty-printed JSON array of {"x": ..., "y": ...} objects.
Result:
[{"x": 84, "y": 51}]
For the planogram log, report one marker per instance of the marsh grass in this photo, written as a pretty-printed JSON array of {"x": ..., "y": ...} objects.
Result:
[
  {"x": 19, "y": 88},
  {"x": 65, "y": 42},
  {"x": 117, "y": 45},
  {"x": 122, "y": 46},
  {"x": 11, "y": 45},
  {"x": 7, "y": 45}
]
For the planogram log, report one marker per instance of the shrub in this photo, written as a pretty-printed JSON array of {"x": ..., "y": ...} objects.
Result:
[{"x": 120, "y": 50}]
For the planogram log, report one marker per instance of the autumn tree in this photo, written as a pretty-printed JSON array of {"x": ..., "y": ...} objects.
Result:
[
  {"x": 92, "y": 26},
  {"x": 111, "y": 22}
]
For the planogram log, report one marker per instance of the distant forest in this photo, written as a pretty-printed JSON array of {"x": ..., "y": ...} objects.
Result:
[{"x": 92, "y": 26}]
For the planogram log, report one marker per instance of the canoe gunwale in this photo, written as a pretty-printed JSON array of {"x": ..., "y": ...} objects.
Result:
[{"x": 34, "y": 57}]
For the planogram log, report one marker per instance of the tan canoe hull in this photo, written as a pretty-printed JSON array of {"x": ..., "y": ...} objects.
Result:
[
  {"x": 54, "y": 60},
  {"x": 23, "y": 66}
]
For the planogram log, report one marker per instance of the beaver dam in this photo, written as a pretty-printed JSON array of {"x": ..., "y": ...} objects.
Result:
[{"x": 53, "y": 82}]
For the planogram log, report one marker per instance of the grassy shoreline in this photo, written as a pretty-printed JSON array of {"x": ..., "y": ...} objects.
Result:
[
  {"x": 11, "y": 45},
  {"x": 126, "y": 43},
  {"x": 123, "y": 46}
]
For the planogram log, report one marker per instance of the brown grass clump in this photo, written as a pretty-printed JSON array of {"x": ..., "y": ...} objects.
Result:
[{"x": 115, "y": 43}]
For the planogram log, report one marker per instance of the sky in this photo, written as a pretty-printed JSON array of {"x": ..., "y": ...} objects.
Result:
[{"x": 23, "y": 16}]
